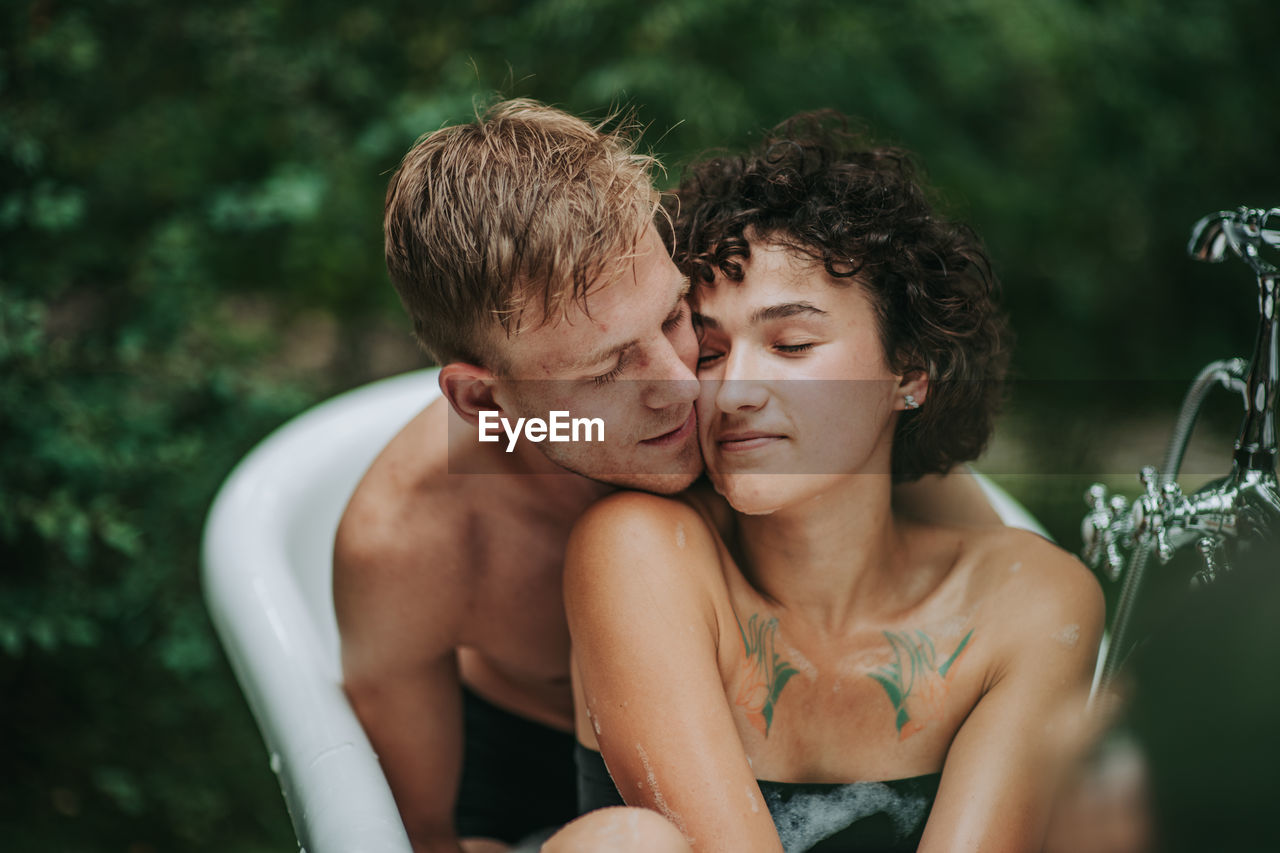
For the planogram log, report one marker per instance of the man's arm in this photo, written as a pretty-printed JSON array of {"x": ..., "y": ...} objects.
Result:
[
  {"x": 954, "y": 498},
  {"x": 398, "y": 615}
]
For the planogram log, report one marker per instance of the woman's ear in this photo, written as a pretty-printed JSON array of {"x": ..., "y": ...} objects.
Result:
[
  {"x": 469, "y": 389},
  {"x": 913, "y": 389}
]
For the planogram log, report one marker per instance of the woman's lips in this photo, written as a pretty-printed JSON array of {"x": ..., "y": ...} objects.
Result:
[
  {"x": 676, "y": 435},
  {"x": 742, "y": 441}
]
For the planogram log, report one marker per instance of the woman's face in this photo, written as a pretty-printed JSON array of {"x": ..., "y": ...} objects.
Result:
[{"x": 796, "y": 393}]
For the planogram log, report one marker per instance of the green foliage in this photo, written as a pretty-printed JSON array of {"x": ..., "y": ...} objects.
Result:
[{"x": 191, "y": 194}]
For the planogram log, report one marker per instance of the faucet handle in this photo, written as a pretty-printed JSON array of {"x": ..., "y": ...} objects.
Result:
[
  {"x": 1096, "y": 497},
  {"x": 1095, "y": 523},
  {"x": 1159, "y": 507},
  {"x": 1164, "y": 550},
  {"x": 1146, "y": 506},
  {"x": 1207, "y": 546},
  {"x": 1104, "y": 525}
]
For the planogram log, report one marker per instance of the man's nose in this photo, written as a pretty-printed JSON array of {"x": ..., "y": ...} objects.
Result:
[{"x": 674, "y": 381}]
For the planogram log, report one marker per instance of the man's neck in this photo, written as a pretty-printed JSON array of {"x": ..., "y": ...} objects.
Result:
[{"x": 524, "y": 474}]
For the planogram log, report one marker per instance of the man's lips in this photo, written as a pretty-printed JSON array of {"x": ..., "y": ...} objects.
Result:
[
  {"x": 676, "y": 435},
  {"x": 734, "y": 442}
]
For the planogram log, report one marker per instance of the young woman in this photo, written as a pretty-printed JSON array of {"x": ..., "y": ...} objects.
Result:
[{"x": 786, "y": 663}]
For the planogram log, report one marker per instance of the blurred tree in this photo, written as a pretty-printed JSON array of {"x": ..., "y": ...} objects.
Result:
[{"x": 190, "y": 251}]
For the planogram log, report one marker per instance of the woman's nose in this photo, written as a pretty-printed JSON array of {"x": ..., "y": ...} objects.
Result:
[{"x": 741, "y": 388}]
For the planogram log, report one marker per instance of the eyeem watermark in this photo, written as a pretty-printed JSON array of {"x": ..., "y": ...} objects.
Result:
[{"x": 559, "y": 428}]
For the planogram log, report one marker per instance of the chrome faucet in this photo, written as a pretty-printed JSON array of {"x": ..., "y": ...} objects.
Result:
[{"x": 1224, "y": 518}]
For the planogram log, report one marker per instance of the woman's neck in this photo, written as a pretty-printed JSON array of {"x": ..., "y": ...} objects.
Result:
[{"x": 833, "y": 559}]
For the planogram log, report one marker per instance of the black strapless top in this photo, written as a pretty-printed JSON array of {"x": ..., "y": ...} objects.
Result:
[{"x": 853, "y": 817}]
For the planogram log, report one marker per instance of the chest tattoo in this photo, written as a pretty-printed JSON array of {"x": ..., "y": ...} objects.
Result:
[
  {"x": 765, "y": 673},
  {"x": 915, "y": 682}
]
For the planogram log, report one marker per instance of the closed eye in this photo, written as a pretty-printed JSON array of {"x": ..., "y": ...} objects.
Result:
[
  {"x": 673, "y": 322},
  {"x": 793, "y": 348},
  {"x": 606, "y": 378}
]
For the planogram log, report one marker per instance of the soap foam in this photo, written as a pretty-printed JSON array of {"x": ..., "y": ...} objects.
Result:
[
  {"x": 809, "y": 817},
  {"x": 659, "y": 800},
  {"x": 800, "y": 662},
  {"x": 1068, "y": 635}
]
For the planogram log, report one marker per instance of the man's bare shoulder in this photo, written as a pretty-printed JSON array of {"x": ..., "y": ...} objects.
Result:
[
  {"x": 449, "y": 542},
  {"x": 404, "y": 567},
  {"x": 405, "y": 506}
]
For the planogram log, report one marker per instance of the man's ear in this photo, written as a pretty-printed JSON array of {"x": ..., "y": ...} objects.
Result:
[
  {"x": 913, "y": 389},
  {"x": 469, "y": 389}
]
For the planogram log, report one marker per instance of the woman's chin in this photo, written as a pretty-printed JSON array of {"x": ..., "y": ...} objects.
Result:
[
  {"x": 749, "y": 494},
  {"x": 765, "y": 494}
]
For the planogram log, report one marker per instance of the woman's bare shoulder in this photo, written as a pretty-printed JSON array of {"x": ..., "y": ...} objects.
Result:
[
  {"x": 665, "y": 538},
  {"x": 629, "y": 516},
  {"x": 1032, "y": 583},
  {"x": 1047, "y": 566}
]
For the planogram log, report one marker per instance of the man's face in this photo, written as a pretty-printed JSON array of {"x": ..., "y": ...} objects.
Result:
[{"x": 627, "y": 357}]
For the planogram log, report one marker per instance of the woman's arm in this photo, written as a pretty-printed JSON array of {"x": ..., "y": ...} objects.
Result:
[
  {"x": 641, "y": 583},
  {"x": 1002, "y": 769}
]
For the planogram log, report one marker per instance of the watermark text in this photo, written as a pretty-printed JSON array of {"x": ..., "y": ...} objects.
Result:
[{"x": 560, "y": 427}]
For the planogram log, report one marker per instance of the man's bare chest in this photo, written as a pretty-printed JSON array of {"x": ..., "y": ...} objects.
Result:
[{"x": 515, "y": 608}]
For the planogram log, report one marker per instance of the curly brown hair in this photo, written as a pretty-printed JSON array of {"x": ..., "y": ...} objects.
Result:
[{"x": 824, "y": 192}]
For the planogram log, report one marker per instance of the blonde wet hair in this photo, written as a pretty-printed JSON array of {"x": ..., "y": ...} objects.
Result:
[{"x": 504, "y": 222}]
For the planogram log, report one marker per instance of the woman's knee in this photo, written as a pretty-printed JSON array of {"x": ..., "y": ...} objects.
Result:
[{"x": 618, "y": 830}]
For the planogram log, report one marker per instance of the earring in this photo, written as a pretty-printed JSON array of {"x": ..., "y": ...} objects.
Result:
[{"x": 910, "y": 401}]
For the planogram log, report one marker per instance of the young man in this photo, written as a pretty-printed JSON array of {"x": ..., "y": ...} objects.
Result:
[{"x": 524, "y": 248}]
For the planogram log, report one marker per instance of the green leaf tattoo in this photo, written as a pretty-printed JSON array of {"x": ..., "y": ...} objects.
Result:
[
  {"x": 766, "y": 672},
  {"x": 915, "y": 684}
]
